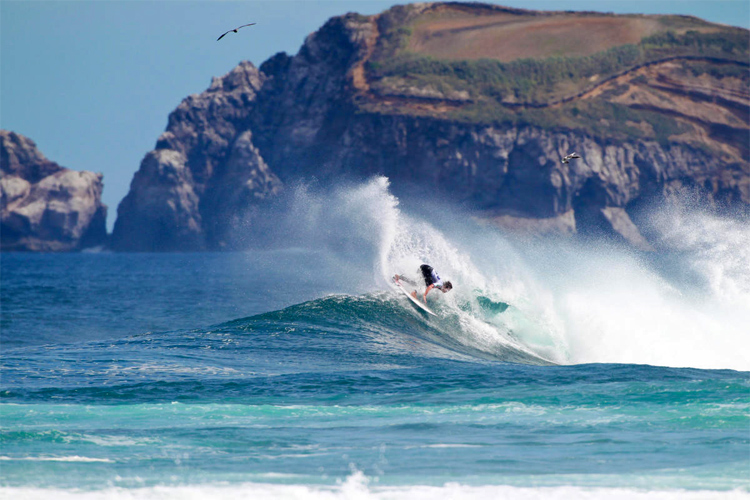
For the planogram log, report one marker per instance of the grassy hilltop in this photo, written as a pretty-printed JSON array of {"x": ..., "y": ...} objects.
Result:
[{"x": 616, "y": 77}]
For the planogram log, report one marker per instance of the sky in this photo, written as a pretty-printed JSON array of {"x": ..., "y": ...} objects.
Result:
[{"x": 93, "y": 82}]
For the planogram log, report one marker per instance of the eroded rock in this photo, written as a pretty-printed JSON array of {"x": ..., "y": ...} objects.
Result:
[{"x": 45, "y": 207}]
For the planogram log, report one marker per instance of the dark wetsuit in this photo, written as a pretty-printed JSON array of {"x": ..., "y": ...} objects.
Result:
[{"x": 430, "y": 276}]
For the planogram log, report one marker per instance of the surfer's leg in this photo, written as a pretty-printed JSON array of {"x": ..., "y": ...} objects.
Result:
[{"x": 405, "y": 279}]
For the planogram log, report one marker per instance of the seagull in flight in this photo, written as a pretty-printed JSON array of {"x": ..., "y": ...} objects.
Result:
[
  {"x": 235, "y": 30},
  {"x": 569, "y": 157}
]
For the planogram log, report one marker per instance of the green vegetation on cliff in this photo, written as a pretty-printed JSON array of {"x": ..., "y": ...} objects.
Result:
[
  {"x": 539, "y": 81},
  {"x": 439, "y": 54}
]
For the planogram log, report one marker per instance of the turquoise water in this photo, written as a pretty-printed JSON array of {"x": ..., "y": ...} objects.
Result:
[{"x": 293, "y": 371}]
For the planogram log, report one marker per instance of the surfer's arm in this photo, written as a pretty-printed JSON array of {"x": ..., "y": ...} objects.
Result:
[{"x": 427, "y": 291}]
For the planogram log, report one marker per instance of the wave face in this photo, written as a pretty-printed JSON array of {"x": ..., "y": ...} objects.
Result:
[{"x": 537, "y": 300}]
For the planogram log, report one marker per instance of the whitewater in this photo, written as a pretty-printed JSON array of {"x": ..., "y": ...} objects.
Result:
[
  {"x": 555, "y": 368},
  {"x": 572, "y": 303}
]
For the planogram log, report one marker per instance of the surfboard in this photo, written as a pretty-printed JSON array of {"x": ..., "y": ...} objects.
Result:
[{"x": 414, "y": 301}]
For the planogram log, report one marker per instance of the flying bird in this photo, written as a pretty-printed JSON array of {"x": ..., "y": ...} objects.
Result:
[
  {"x": 569, "y": 157},
  {"x": 235, "y": 30}
]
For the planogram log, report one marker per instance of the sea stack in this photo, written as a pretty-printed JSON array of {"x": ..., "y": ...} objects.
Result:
[{"x": 45, "y": 207}]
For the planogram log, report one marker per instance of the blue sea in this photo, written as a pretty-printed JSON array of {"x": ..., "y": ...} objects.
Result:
[{"x": 554, "y": 369}]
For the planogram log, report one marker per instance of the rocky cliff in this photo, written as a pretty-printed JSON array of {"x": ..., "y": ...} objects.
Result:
[
  {"x": 203, "y": 175},
  {"x": 449, "y": 98},
  {"x": 43, "y": 206}
]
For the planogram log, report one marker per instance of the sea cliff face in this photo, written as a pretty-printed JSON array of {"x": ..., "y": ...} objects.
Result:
[
  {"x": 43, "y": 206},
  {"x": 662, "y": 120},
  {"x": 204, "y": 173}
]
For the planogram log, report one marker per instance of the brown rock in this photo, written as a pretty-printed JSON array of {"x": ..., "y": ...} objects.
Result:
[
  {"x": 45, "y": 207},
  {"x": 204, "y": 173}
]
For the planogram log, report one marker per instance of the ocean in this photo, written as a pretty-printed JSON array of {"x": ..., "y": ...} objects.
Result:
[{"x": 554, "y": 369}]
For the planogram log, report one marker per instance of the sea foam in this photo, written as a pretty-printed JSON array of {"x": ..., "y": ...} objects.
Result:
[{"x": 358, "y": 487}]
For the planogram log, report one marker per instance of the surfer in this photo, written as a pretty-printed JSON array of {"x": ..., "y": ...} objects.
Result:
[{"x": 431, "y": 280}]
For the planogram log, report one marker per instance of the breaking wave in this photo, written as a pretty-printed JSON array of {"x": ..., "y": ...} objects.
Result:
[
  {"x": 546, "y": 300},
  {"x": 359, "y": 486}
]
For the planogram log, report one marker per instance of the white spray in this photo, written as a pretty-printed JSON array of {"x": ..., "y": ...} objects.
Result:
[{"x": 569, "y": 303}]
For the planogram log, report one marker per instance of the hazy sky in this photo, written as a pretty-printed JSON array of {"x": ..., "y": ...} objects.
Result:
[{"x": 93, "y": 82}]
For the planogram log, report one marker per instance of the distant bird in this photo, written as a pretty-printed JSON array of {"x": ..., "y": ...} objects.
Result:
[
  {"x": 235, "y": 30},
  {"x": 569, "y": 157}
]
